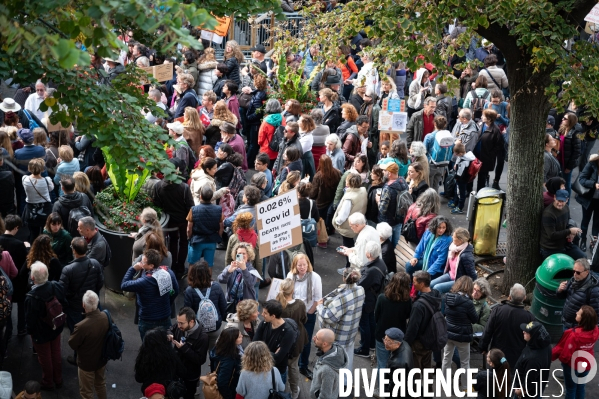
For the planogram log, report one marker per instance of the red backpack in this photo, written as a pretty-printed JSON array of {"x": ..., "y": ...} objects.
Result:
[{"x": 473, "y": 169}]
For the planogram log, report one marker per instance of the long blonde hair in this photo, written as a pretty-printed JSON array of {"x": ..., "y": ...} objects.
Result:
[
  {"x": 235, "y": 51},
  {"x": 285, "y": 289},
  {"x": 208, "y": 56},
  {"x": 82, "y": 183},
  {"x": 222, "y": 112},
  {"x": 191, "y": 119}
]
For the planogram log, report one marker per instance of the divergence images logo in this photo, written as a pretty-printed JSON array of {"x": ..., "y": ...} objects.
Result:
[{"x": 582, "y": 366}]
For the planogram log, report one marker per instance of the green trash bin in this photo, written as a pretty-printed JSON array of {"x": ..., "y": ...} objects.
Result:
[{"x": 546, "y": 307}]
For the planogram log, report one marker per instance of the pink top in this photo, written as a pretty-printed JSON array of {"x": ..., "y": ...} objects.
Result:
[{"x": 8, "y": 265}]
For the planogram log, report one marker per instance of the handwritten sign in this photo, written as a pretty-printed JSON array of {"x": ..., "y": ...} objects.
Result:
[
  {"x": 161, "y": 73},
  {"x": 593, "y": 16},
  {"x": 385, "y": 120},
  {"x": 394, "y": 105},
  {"x": 400, "y": 121},
  {"x": 279, "y": 223}
]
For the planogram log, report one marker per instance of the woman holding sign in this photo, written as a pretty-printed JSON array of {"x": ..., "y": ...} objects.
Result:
[{"x": 308, "y": 289}]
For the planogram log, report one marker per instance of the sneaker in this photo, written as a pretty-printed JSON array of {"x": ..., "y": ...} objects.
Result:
[
  {"x": 360, "y": 353},
  {"x": 22, "y": 333},
  {"x": 295, "y": 395},
  {"x": 341, "y": 271},
  {"x": 452, "y": 204},
  {"x": 457, "y": 211},
  {"x": 306, "y": 373}
]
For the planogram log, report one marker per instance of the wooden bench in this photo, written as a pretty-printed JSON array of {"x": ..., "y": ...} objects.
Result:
[{"x": 404, "y": 252}]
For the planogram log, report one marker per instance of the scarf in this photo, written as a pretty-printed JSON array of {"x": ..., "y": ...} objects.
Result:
[
  {"x": 163, "y": 278},
  {"x": 236, "y": 291},
  {"x": 307, "y": 276},
  {"x": 146, "y": 228},
  {"x": 584, "y": 284},
  {"x": 247, "y": 235},
  {"x": 427, "y": 252},
  {"x": 453, "y": 259}
]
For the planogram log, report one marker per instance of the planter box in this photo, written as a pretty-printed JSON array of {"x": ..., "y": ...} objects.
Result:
[{"x": 121, "y": 246}]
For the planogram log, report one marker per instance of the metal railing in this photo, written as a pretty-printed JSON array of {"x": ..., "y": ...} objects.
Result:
[{"x": 258, "y": 32}]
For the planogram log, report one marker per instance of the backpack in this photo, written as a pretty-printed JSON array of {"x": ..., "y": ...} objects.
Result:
[
  {"x": 477, "y": 105},
  {"x": 114, "y": 345},
  {"x": 277, "y": 138},
  {"x": 435, "y": 334},
  {"x": 228, "y": 204},
  {"x": 237, "y": 182},
  {"x": 5, "y": 304},
  {"x": 442, "y": 151},
  {"x": 9, "y": 285},
  {"x": 404, "y": 201},
  {"x": 408, "y": 230},
  {"x": 473, "y": 169},
  {"x": 309, "y": 232},
  {"x": 207, "y": 313},
  {"x": 386, "y": 279},
  {"x": 293, "y": 350},
  {"x": 54, "y": 317},
  {"x": 75, "y": 215},
  {"x": 32, "y": 123}
]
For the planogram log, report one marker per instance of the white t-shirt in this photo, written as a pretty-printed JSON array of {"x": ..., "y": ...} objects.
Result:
[
  {"x": 301, "y": 289},
  {"x": 32, "y": 104},
  {"x": 307, "y": 140}
]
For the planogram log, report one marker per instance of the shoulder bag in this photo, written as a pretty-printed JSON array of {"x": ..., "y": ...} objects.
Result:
[
  {"x": 38, "y": 213},
  {"x": 274, "y": 394},
  {"x": 580, "y": 189},
  {"x": 210, "y": 387}
]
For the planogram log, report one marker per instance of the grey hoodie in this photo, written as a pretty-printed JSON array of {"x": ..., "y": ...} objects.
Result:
[{"x": 326, "y": 373}]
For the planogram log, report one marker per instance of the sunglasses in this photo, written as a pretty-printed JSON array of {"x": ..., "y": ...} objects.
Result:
[{"x": 579, "y": 273}]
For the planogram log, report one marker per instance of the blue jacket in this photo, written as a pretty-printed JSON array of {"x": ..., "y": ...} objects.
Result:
[
  {"x": 152, "y": 306},
  {"x": 26, "y": 154},
  {"x": 438, "y": 256},
  {"x": 429, "y": 143},
  {"x": 217, "y": 296},
  {"x": 253, "y": 115},
  {"x": 188, "y": 99},
  {"x": 310, "y": 63},
  {"x": 65, "y": 169}
]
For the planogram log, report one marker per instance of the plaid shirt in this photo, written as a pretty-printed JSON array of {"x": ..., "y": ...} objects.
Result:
[{"x": 342, "y": 312}]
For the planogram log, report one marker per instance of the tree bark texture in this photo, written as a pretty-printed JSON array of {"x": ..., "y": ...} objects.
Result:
[{"x": 529, "y": 108}]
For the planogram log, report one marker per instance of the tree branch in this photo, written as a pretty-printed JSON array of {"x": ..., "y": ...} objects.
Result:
[{"x": 500, "y": 36}]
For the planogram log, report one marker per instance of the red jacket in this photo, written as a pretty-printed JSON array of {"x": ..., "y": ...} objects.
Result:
[
  {"x": 264, "y": 137},
  {"x": 575, "y": 339},
  {"x": 421, "y": 221}
]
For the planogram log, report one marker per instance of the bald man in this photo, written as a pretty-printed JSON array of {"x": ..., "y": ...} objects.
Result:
[{"x": 331, "y": 358}]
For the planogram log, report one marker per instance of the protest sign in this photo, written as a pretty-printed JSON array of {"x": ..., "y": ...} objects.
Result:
[
  {"x": 279, "y": 223},
  {"x": 161, "y": 73},
  {"x": 392, "y": 120}
]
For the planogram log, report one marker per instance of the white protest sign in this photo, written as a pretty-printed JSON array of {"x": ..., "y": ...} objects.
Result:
[
  {"x": 593, "y": 16},
  {"x": 279, "y": 223}
]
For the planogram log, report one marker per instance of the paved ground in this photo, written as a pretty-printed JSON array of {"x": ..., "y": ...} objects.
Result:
[{"x": 120, "y": 382}]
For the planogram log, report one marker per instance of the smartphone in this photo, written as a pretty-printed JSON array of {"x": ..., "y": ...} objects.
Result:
[
  {"x": 239, "y": 258},
  {"x": 339, "y": 249},
  {"x": 183, "y": 340}
]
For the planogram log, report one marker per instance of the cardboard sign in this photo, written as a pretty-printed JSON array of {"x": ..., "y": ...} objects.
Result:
[
  {"x": 279, "y": 223},
  {"x": 385, "y": 120},
  {"x": 161, "y": 73},
  {"x": 593, "y": 16},
  {"x": 274, "y": 289}
]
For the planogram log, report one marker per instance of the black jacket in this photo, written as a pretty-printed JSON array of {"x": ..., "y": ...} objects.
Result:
[
  {"x": 227, "y": 375},
  {"x": 292, "y": 142},
  {"x": 401, "y": 358},
  {"x": 160, "y": 373},
  {"x": 233, "y": 65},
  {"x": 174, "y": 199},
  {"x": 491, "y": 146},
  {"x": 7, "y": 187},
  {"x": 503, "y": 330},
  {"x": 193, "y": 352},
  {"x": 372, "y": 208},
  {"x": 372, "y": 281},
  {"x": 35, "y": 311},
  {"x": 419, "y": 189},
  {"x": 342, "y": 128},
  {"x": 587, "y": 178},
  {"x": 466, "y": 264},
  {"x": 280, "y": 339},
  {"x": 67, "y": 202},
  {"x": 255, "y": 111},
  {"x": 576, "y": 295},
  {"x": 388, "y": 255},
  {"x": 75, "y": 282},
  {"x": 188, "y": 99},
  {"x": 18, "y": 252},
  {"x": 534, "y": 363},
  {"x": 571, "y": 150},
  {"x": 332, "y": 118},
  {"x": 460, "y": 314},
  {"x": 420, "y": 316}
]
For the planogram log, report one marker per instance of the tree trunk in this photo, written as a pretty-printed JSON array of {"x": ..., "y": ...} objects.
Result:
[{"x": 529, "y": 108}]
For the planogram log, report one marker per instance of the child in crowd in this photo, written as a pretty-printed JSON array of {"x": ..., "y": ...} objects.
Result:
[
  {"x": 461, "y": 176},
  {"x": 384, "y": 151}
]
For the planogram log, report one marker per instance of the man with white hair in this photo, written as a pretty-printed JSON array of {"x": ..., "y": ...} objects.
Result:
[
  {"x": 32, "y": 104},
  {"x": 503, "y": 328},
  {"x": 365, "y": 233},
  {"x": 373, "y": 273},
  {"x": 387, "y": 248},
  {"x": 88, "y": 341},
  {"x": 44, "y": 329},
  {"x": 465, "y": 130},
  {"x": 155, "y": 95}
]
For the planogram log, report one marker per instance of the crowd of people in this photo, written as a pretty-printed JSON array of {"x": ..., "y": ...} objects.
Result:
[{"x": 234, "y": 148}]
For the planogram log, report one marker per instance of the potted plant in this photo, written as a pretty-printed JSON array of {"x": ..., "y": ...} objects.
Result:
[{"x": 290, "y": 84}]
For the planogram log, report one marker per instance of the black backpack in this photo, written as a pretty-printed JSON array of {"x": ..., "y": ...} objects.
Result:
[
  {"x": 477, "y": 105},
  {"x": 75, "y": 215},
  {"x": 435, "y": 335},
  {"x": 386, "y": 279},
  {"x": 114, "y": 345},
  {"x": 404, "y": 201},
  {"x": 277, "y": 138},
  {"x": 408, "y": 230}
]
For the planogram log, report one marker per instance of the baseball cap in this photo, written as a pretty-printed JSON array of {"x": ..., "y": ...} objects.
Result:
[
  {"x": 532, "y": 326},
  {"x": 562, "y": 195},
  {"x": 395, "y": 334},
  {"x": 176, "y": 127},
  {"x": 390, "y": 167},
  {"x": 25, "y": 135},
  {"x": 260, "y": 48},
  {"x": 153, "y": 389},
  {"x": 550, "y": 120}
]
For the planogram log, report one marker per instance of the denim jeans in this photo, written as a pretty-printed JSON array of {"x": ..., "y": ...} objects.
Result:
[
  {"x": 396, "y": 234},
  {"x": 411, "y": 269},
  {"x": 284, "y": 376},
  {"x": 146, "y": 325},
  {"x": 461, "y": 188},
  {"x": 367, "y": 329},
  {"x": 568, "y": 179},
  {"x": 573, "y": 390},
  {"x": 442, "y": 284},
  {"x": 199, "y": 250},
  {"x": 573, "y": 251},
  {"x": 382, "y": 355},
  {"x": 305, "y": 355}
]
